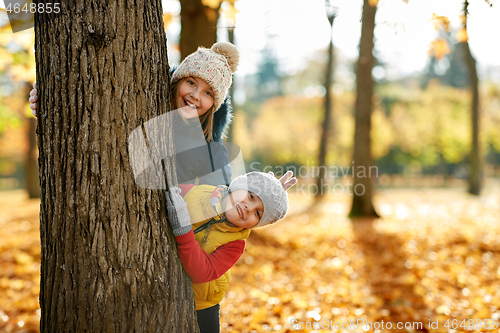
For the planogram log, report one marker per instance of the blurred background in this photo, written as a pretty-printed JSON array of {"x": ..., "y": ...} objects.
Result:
[
  {"x": 432, "y": 254},
  {"x": 421, "y": 118}
]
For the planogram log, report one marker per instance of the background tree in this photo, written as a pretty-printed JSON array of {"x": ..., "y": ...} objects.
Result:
[
  {"x": 362, "y": 195},
  {"x": 199, "y": 24},
  {"x": 331, "y": 13},
  {"x": 230, "y": 16},
  {"x": 473, "y": 82},
  {"x": 475, "y": 168},
  {"x": 108, "y": 259}
]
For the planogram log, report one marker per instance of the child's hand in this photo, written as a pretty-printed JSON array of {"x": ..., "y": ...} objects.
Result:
[
  {"x": 286, "y": 179},
  {"x": 33, "y": 99},
  {"x": 178, "y": 215}
]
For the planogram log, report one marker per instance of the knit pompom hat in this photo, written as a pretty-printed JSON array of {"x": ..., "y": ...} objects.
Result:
[
  {"x": 215, "y": 66},
  {"x": 269, "y": 190}
]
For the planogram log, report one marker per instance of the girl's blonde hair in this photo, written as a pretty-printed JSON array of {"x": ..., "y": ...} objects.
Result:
[{"x": 206, "y": 119}]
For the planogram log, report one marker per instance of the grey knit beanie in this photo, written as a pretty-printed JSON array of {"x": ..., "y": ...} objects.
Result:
[
  {"x": 215, "y": 66},
  {"x": 269, "y": 190}
]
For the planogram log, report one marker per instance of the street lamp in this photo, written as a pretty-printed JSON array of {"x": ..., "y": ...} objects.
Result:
[
  {"x": 331, "y": 13},
  {"x": 230, "y": 14}
]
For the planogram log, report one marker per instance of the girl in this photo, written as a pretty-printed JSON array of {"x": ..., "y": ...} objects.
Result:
[
  {"x": 221, "y": 219},
  {"x": 198, "y": 89}
]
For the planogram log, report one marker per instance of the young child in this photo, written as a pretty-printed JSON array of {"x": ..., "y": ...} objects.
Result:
[
  {"x": 222, "y": 218},
  {"x": 199, "y": 87},
  {"x": 200, "y": 84}
]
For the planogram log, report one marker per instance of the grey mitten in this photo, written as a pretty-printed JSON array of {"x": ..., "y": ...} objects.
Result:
[{"x": 178, "y": 214}]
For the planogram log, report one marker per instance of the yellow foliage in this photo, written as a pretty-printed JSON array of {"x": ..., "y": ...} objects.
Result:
[
  {"x": 373, "y": 3},
  {"x": 462, "y": 35},
  {"x": 6, "y": 35},
  {"x": 401, "y": 269},
  {"x": 441, "y": 22},
  {"x": 424, "y": 124},
  {"x": 5, "y": 58},
  {"x": 21, "y": 68},
  {"x": 280, "y": 143},
  {"x": 288, "y": 130},
  {"x": 167, "y": 19},
  {"x": 439, "y": 48},
  {"x": 230, "y": 12},
  {"x": 214, "y": 4},
  {"x": 26, "y": 39},
  {"x": 463, "y": 19},
  {"x": 382, "y": 135},
  {"x": 19, "y": 263},
  {"x": 436, "y": 263},
  {"x": 25, "y": 72}
]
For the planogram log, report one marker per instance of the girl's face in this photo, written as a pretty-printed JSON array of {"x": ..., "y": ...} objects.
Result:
[
  {"x": 194, "y": 97},
  {"x": 243, "y": 208}
]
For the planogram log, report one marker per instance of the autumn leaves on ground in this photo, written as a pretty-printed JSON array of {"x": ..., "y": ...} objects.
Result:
[{"x": 434, "y": 255}]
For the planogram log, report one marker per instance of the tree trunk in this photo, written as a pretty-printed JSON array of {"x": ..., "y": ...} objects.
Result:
[
  {"x": 475, "y": 166},
  {"x": 362, "y": 191},
  {"x": 325, "y": 127},
  {"x": 198, "y": 26},
  {"x": 230, "y": 130},
  {"x": 109, "y": 261}
]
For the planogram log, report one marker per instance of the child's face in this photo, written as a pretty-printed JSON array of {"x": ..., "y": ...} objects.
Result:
[
  {"x": 194, "y": 97},
  {"x": 243, "y": 208}
]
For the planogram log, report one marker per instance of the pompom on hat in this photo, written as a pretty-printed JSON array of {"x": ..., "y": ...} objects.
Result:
[
  {"x": 269, "y": 190},
  {"x": 215, "y": 66}
]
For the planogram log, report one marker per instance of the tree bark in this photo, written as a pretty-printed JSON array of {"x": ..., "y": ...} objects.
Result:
[
  {"x": 109, "y": 261},
  {"x": 475, "y": 160},
  {"x": 362, "y": 191},
  {"x": 199, "y": 26}
]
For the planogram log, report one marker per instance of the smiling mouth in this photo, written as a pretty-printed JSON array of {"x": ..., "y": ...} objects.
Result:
[
  {"x": 238, "y": 209},
  {"x": 189, "y": 104}
]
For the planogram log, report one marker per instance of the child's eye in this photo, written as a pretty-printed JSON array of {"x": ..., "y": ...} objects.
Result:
[
  {"x": 251, "y": 195},
  {"x": 209, "y": 93},
  {"x": 191, "y": 82},
  {"x": 258, "y": 215}
]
